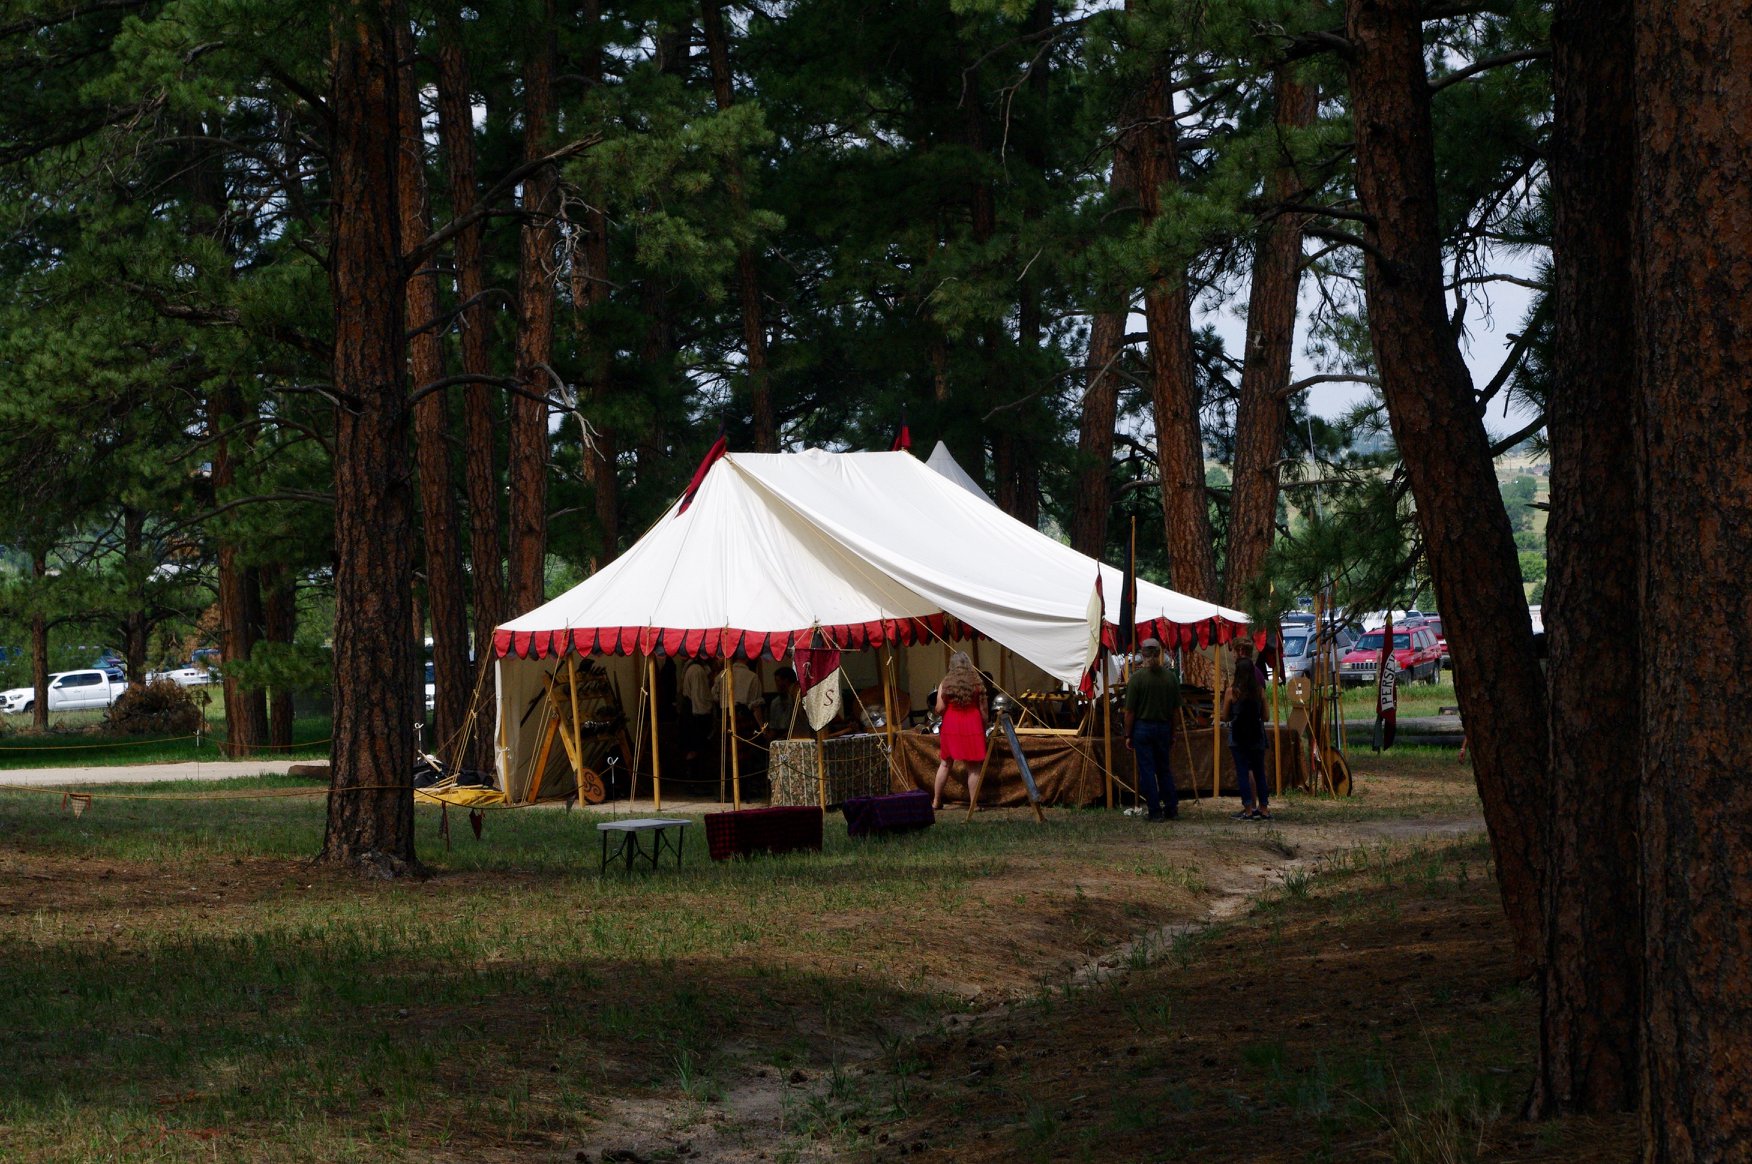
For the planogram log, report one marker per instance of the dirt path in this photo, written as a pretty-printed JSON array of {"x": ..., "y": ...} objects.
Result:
[{"x": 765, "y": 1112}]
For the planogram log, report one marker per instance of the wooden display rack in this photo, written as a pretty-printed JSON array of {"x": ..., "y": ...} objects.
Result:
[{"x": 583, "y": 711}]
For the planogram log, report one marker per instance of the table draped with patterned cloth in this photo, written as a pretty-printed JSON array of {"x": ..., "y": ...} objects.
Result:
[
  {"x": 856, "y": 766},
  {"x": 1068, "y": 768}
]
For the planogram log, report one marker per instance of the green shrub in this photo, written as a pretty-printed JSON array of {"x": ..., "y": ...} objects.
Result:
[{"x": 160, "y": 707}]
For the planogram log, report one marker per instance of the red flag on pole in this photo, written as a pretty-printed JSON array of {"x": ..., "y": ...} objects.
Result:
[
  {"x": 1386, "y": 688},
  {"x": 719, "y": 447},
  {"x": 902, "y": 439}
]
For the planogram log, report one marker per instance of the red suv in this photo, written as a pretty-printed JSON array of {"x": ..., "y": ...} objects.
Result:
[
  {"x": 1434, "y": 622},
  {"x": 1414, "y": 649}
]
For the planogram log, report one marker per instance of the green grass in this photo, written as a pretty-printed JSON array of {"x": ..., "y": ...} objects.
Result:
[{"x": 178, "y": 981}]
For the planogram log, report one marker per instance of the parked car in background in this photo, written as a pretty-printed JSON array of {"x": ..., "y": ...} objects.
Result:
[
  {"x": 68, "y": 691},
  {"x": 187, "y": 675},
  {"x": 1301, "y": 645},
  {"x": 1434, "y": 622},
  {"x": 1414, "y": 649}
]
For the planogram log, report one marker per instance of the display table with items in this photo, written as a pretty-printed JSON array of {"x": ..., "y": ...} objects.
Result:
[
  {"x": 855, "y": 766},
  {"x": 762, "y": 830},
  {"x": 1068, "y": 767}
]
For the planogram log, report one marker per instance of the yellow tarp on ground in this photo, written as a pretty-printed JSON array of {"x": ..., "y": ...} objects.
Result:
[{"x": 460, "y": 797}]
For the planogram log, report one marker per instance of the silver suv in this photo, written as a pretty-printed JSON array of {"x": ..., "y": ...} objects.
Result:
[{"x": 1300, "y": 647}]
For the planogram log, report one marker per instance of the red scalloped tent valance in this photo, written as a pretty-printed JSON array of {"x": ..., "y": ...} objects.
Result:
[{"x": 856, "y": 636}]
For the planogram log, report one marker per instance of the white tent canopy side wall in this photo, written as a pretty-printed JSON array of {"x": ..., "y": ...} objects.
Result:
[{"x": 864, "y": 549}]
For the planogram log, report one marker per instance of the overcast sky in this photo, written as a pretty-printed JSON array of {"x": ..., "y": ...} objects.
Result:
[{"x": 1486, "y": 346}]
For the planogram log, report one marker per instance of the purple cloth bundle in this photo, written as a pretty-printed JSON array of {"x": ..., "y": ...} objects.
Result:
[{"x": 868, "y": 816}]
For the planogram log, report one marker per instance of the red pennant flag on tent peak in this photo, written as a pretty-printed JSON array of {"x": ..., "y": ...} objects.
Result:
[
  {"x": 902, "y": 440},
  {"x": 718, "y": 449}
]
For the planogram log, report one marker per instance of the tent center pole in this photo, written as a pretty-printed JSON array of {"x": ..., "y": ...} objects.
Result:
[
  {"x": 1217, "y": 660},
  {"x": 656, "y": 751},
  {"x": 821, "y": 768},
  {"x": 890, "y": 704},
  {"x": 730, "y": 734},
  {"x": 1105, "y": 694}
]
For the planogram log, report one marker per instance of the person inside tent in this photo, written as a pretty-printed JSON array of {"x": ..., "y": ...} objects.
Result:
[
  {"x": 784, "y": 713},
  {"x": 696, "y": 711}
]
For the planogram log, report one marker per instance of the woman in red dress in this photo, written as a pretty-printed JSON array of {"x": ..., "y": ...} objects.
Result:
[{"x": 962, "y": 738}]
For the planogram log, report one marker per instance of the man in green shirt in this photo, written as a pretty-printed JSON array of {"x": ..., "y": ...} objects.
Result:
[{"x": 1151, "y": 699}]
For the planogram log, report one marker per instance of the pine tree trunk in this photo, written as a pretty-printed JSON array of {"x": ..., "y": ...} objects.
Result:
[
  {"x": 452, "y": 679},
  {"x": 1590, "y": 992},
  {"x": 1263, "y": 411},
  {"x": 134, "y": 620},
  {"x": 480, "y": 401},
  {"x": 1173, "y": 384},
  {"x": 371, "y": 803},
  {"x": 1694, "y": 246},
  {"x": 279, "y": 625},
  {"x": 1095, "y": 435},
  {"x": 535, "y": 328},
  {"x": 1441, "y": 437},
  {"x": 760, "y": 392},
  {"x": 590, "y": 293},
  {"x": 244, "y": 729},
  {"x": 1101, "y": 392},
  {"x": 39, "y": 646}
]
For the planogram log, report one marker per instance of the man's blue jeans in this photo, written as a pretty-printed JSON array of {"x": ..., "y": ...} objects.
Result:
[{"x": 1152, "y": 744}]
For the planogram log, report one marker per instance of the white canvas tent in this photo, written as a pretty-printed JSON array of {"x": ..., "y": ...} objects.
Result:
[
  {"x": 863, "y": 549},
  {"x": 944, "y": 462}
]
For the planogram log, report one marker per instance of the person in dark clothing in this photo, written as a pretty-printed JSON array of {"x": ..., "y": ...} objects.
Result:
[
  {"x": 1246, "y": 714},
  {"x": 1151, "y": 699}
]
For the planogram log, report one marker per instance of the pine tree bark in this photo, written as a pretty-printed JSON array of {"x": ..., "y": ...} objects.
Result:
[
  {"x": 1090, "y": 514},
  {"x": 39, "y": 645},
  {"x": 1441, "y": 437},
  {"x": 135, "y": 619},
  {"x": 279, "y": 625},
  {"x": 1694, "y": 247},
  {"x": 244, "y": 728},
  {"x": 528, "y": 476},
  {"x": 1590, "y": 991},
  {"x": 590, "y": 293},
  {"x": 760, "y": 391},
  {"x": 371, "y": 804},
  {"x": 482, "y": 411},
  {"x": 1173, "y": 383},
  {"x": 1263, "y": 411},
  {"x": 1095, "y": 435},
  {"x": 439, "y": 522}
]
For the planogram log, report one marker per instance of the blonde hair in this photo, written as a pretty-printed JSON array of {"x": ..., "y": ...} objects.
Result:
[{"x": 961, "y": 683}]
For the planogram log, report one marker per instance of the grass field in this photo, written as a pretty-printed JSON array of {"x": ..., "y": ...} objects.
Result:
[{"x": 179, "y": 982}]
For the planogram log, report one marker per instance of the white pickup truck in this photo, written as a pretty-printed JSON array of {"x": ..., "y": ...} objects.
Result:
[{"x": 68, "y": 691}]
